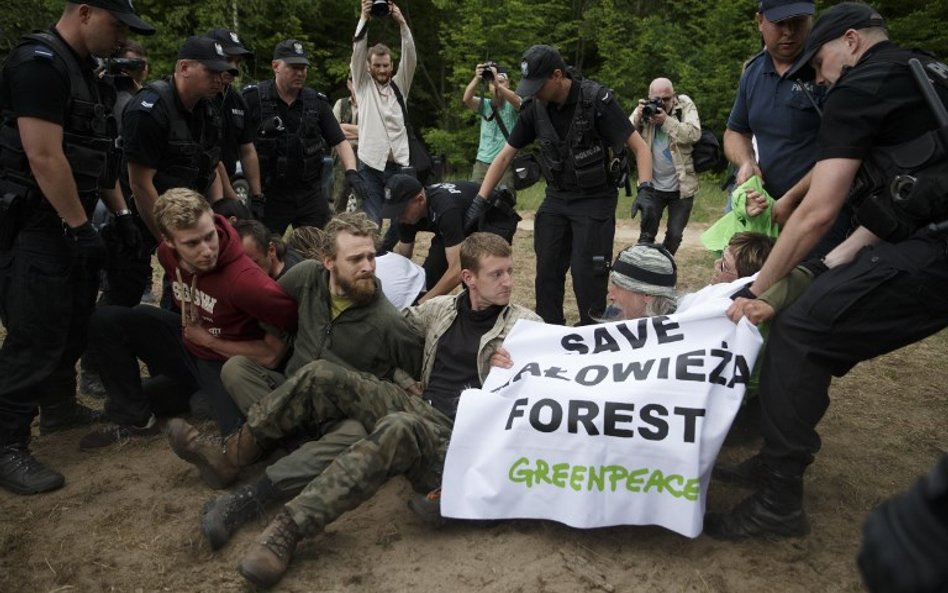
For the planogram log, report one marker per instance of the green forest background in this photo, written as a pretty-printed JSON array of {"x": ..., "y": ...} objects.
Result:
[{"x": 701, "y": 45}]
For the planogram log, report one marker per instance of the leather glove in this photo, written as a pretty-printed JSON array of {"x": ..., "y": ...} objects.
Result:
[
  {"x": 127, "y": 232},
  {"x": 474, "y": 211},
  {"x": 358, "y": 186},
  {"x": 258, "y": 203},
  {"x": 91, "y": 251},
  {"x": 644, "y": 193}
]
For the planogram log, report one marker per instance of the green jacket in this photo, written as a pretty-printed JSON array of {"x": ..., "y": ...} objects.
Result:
[
  {"x": 433, "y": 318},
  {"x": 719, "y": 234},
  {"x": 372, "y": 338}
]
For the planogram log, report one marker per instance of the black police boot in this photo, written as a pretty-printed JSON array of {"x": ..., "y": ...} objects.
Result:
[
  {"x": 749, "y": 473},
  {"x": 223, "y": 515},
  {"x": 22, "y": 473},
  {"x": 776, "y": 509},
  {"x": 66, "y": 415}
]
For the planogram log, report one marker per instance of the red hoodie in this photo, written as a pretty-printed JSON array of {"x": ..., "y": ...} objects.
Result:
[{"x": 234, "y": 298}]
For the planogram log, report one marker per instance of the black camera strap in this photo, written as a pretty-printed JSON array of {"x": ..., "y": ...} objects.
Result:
[{"x": 495, "y": 115}]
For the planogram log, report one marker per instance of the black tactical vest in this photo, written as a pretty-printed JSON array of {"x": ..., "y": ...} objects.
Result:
[
  {"x": 581, "y": 161},
  {"x": 901, "y": 188},
  {"x": 188, "y": 161},
  {"x": 289, "y": 156},
  {"x": 89, "y": 130}
]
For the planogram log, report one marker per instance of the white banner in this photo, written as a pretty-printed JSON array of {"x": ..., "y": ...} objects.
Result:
[{"x": 612, "y": 424}]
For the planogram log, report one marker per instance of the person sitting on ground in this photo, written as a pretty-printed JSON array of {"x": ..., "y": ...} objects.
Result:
[
  {"x": 409, "y": 430},
  {"x": 267, "y": 250},
  {"x": 740, "y": 261},
  {"x": 223, "y": 297},
  {"x": 642, "y": 283},
  {"x": 403, "y": 281}
]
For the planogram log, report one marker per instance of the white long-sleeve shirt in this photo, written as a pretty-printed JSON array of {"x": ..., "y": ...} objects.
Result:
[{"x": 382, "y": 132}]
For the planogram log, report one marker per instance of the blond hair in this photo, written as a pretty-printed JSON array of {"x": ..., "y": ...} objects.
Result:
[
  {"x": 179, "y": 208},
  {"x": 354, "y": 223}
]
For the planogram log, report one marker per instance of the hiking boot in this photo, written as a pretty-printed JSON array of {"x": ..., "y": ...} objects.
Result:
[
  {"x": 218, "y": 459},
  {"x": 118, "y": 433},
  {"x": 270, "y": 555},
  {"x": 428, "y": 507},
  {"x": 223, "y": 515},
  {"x": 776, "y": 509},
  {"x": 746, "y": 474},
  {"x": 90, "y": 383},
  {"x": 22, "y": 473},
  {"x": 66, "y": 415}
]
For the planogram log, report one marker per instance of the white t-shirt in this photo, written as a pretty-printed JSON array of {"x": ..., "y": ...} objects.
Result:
[{"x": 402, "y": 279}]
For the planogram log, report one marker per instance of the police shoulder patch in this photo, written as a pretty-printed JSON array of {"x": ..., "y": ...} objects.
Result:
[
  {"x": 322, "y": 96},
  {"x": 42, "y": 52},
  {"x": 146, "y": 100},
  {"x": 606, "y": 95}
]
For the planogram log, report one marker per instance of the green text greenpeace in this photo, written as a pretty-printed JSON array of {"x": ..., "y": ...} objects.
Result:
[{"x": 602, "y": 477}]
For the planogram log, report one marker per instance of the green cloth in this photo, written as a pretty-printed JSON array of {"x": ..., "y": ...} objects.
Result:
[{"x": 719, "y": 234}]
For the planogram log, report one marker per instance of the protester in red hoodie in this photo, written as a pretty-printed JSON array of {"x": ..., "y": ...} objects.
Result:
[{"x": 223, "y": 297}]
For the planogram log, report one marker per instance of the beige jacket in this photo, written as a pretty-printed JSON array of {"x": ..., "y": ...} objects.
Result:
[
  {"x": 433, "y": 318},
  {"x": 684, "y": 129}
]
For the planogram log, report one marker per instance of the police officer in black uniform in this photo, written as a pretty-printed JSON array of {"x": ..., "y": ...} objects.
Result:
[
  {"x": 57, "y": 152},
  {"x": 172, "y": 133},
  {"x": 440, "y": 209},
  {"x": 882, "y": 288},
  {"x": 581, "y": 129},
  {"x": 295, "y": 130},
  {"x": 237, "y": 140}
]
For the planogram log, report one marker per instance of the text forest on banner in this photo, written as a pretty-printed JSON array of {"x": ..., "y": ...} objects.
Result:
[{"x": 612, "y": 424}]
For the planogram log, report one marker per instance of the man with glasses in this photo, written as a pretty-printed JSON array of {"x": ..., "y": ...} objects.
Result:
[
  {"x": 498, "y": 114},
  {"x": 671, "y": 132}
]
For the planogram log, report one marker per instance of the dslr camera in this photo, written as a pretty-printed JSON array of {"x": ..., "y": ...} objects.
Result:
[
  {"x": 380, "y": 8},
  {"x": 487, "y": 74},
  {"x": 126, "y": 66},
  {"x": 651, "y": 107}
]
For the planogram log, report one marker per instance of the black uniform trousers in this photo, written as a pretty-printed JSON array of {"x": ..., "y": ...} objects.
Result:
[
  {"x": 300, "y": 205},
  {"x": 119, "y": 336},
  {"x": 46, "y": 298},
  {"x": 890, "y": 296},
  {"x": 129, "y": 274},
  {"x": 578, "y": 242}
]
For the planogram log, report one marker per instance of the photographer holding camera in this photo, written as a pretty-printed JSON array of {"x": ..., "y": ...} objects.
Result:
[
  {"x": 670, "y": 126},
  {"x": 381, "y": 93},
  {"x": 498, "y": 114}
]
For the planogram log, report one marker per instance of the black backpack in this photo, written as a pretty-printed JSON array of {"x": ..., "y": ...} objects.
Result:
[{"x": 707, "y": 153}]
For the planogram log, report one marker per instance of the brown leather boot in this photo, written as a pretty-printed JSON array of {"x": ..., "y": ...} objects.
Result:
[
  {"x": 271, "y": 553},
  {"x": 218, "y": 459}
]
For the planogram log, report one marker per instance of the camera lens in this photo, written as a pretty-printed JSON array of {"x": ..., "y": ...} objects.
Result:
[{"x": 380, "y": 8}]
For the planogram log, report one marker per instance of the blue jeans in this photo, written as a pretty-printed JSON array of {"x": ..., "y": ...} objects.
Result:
[{"x": 375, "y": 180}]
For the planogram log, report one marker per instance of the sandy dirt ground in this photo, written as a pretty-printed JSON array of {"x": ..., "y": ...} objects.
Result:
[{"x": 127, "y": 519}]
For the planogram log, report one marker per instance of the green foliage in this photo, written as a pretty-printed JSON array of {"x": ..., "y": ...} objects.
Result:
[{"x": 623, "y": 44}]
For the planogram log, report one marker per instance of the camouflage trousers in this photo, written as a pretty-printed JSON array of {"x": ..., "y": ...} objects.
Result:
[
  {"x": 406, "y": 436},
  {"x": 249, "y": 382}
]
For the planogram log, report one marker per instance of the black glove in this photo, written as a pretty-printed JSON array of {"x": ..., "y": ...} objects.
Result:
[
  {"x": 90, "y": 248},
  {"x": 644, "y": 193},
  {"x": 127, "y": 232},
  {"x": 474, "y": 211},
  {"x": 258, "y": 203},
  {"x": 358, "y": 186}
]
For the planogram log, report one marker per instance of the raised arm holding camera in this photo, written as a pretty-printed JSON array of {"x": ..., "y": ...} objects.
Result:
[{"x": 498, "y": 113}]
